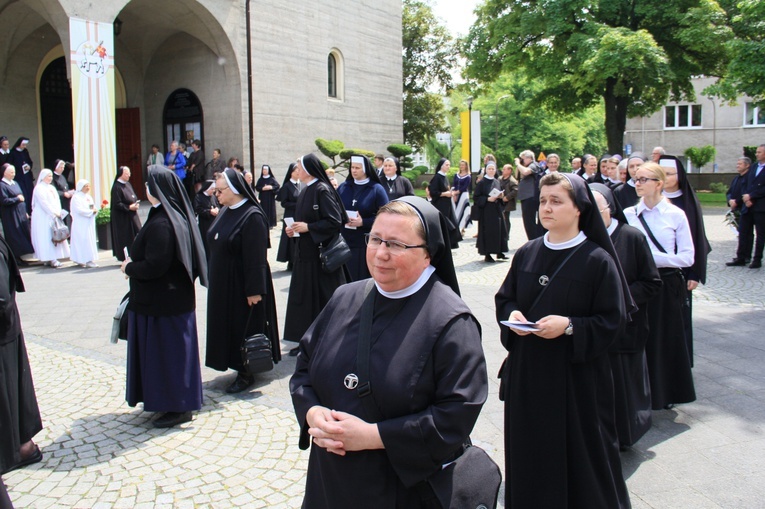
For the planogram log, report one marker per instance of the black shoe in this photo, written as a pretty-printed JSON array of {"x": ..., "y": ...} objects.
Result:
[
  {"x": 170, "y": 419},
  {"x": 755, "y": 264},
  {"x": 501, "y": 256},
  {"x": 241, "y": 383},
  {"x": 489, "y": 259},
  {"x": 669, "y": 406},
  {"x": 294, "y": 351},
  {"x": 35, "y": 457},
  {"x": 736, "y": 263}
]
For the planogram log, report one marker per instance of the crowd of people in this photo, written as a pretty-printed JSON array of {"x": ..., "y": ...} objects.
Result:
[{"x": 595, "y": 311}]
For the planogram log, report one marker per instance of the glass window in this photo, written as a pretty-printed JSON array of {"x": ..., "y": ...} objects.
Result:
[
  {"x": 754, "y": 115},
  {"x": 682, "y": 116},
  {"x": 331, "y": 76}
]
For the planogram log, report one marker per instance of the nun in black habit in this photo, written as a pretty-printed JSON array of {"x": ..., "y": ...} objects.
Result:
[
  {"x": 13, "y": 212},
  {"x": 22, "y": 161},
  {"x": 632, "y": 386},
  {"x": 288, "y": 196},
  {"x": 319, "y": 217},
  {"x": 19, "y": 414},
  {"x": 441, "y": 198},
  {"x": 681, "y": 194},
  {"x": 361, "y": 193},
  {"x": 163, "y": 368},
  {"x": 492, "y": 229},
  {"x": 394, "y": 184},
  {"x": 626, "y": 194},
  {"x": 240, "y": 299},
  {"x": 206, "y": 208},
  {"x": 125, "y": 223},
  {"x": 424, "y": 408},
  {"x": 560, "y": 437},
  {"x": 267, "y": 187}
]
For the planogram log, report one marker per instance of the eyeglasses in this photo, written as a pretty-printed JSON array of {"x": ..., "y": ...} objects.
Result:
[
  {"x": 394, "y": 246},
  {"x": 643, "y": 180},
  {"x": 219, "y": 189}
]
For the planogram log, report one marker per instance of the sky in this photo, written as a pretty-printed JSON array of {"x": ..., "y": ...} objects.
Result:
[{"x": 456, "y": 14}]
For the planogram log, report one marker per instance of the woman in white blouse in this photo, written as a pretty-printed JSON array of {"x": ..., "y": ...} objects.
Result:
[
  {"x": 84, "y": 248},
  {"x": 669, "y": 238},
  {"x": 45, "y": 207}
]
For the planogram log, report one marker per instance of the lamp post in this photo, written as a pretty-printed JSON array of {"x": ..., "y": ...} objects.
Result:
[
  {"x": 496, "y": 124},
  {"x": 469, "y": 101},
  {"x": 714, "y": 133}
]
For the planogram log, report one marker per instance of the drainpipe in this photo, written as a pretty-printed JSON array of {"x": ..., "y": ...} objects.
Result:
[{"x": 249, "y": 87}]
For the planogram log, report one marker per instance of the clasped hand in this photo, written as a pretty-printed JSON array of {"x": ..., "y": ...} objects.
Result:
[{"x": 340, "y": 432}]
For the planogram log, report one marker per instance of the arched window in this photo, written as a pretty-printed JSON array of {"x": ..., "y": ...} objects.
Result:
[{"x": 335, "y": 75}]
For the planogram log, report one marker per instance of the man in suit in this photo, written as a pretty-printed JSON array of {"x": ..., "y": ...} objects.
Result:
[
  {"x": 754, "y": 199},
  {"x": 745, "y": 223}
]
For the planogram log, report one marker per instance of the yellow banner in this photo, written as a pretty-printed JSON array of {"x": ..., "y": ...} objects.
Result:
[
  {"x": 465, "y": 121},
  {"x": 91, "y": 46}
]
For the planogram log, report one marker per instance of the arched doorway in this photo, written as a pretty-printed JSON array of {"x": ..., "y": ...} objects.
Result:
[
  {"x": 56, "y": 113},
  {"x": 183, "y": 118}
]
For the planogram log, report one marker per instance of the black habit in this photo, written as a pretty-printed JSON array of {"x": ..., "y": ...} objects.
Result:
[
  {"x": 445, "y": 205},
  {"x": 627, "y": 195},
  {"x": 124, "y": 222},
  {"x": 203, "y": 204},
  {"x": 268, "y": 198},
  {"x": 366, "y": 199},
  {"x": 310, "y": 287},
  {"x": 287, "y": 196},
  {"x": 15, "y": 219},
  {"x": 400, "y": 186},
  {"x": 26, "y": 179},
  {"x": 428, "y": 408},
  {"x": 238, "y": 268},
  {"x": 492, "y": 229},
  {"x": 560, "y": 438},
  {"x": 628, "y": 360},
  {"x": 19, "y": 414}
]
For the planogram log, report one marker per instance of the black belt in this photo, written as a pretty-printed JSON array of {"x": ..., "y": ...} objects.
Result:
[{"x": 670, "y": 271}]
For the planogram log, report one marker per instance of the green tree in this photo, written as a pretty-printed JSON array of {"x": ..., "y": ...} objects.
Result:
[
  {"x": 630, "y": 55},
  {"x": 429, "y": 58},
  {"x": 746, "y": 67}
]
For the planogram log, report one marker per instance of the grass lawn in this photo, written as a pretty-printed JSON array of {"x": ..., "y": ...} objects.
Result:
[{"x": 712, "y": 199}]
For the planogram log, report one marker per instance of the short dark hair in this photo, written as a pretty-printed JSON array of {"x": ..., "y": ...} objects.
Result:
[
  {"x": 155, "y": 146},
  {"x": 198, "y": 143}
]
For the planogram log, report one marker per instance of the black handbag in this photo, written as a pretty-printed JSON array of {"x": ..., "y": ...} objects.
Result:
[
  {"x": 334, "y": 254},
  {"x": 471, "y": 481},
  {"x": 257, "y": 356}
]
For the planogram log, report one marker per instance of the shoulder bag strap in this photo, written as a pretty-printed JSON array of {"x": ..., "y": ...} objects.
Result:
[
  {"x": 364, "y": 389},
  {"x": 650, "y": 234},
  {"x": 563, "y": 264}
]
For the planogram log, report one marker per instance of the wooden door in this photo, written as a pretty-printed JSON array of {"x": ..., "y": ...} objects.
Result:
[{"x": 129, "y": 148}]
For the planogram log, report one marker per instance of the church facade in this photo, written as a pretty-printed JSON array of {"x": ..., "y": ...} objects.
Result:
[{"x": 258, "y": 79}]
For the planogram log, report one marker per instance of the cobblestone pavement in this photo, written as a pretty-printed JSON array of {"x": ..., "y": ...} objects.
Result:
[{"x": 241, "y": 451}]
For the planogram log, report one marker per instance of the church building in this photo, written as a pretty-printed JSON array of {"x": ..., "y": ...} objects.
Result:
[{"x": 98, "y": 83}]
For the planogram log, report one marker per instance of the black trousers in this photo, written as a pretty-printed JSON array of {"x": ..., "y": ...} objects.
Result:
[
  {"x": 745, "y": 236},
  {"x": 759, "y": 228},
  {"x": 529, "y": 208}
]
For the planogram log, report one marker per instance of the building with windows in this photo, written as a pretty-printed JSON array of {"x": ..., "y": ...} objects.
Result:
[
  {"x": 705, "y": 121},
  {"x": 99, "y": 83}
]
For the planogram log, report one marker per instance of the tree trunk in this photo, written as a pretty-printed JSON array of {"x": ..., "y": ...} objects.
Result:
[{"x": 616, "y": 118}]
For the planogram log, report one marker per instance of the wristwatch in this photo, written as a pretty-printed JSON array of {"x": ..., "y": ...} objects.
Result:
[{"x": 569, "y": 331}]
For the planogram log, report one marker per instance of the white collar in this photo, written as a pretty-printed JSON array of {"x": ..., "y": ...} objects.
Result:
[
  {"x": 312, "y": 182},
  {"x": 488, "y": 177},
  {"x": 123, "y": 182},
  {"x": 9, "y": 182},
  {"x": 394, "y": 177},
  {"x": 581, "y": 237},
  {"x": 412, "y": 289},
  {"x": 612, "y": 227},
  {"x": 296, "y": 182},
  {"x": 463, "y": 176},
  {"x": 441, "y": 173},
  {"x": 631, "y": 182},
  {"x": 361, "y": 182},
  {"x": 234, "y": 207},
  {"x": 673, "y": 194},
  {"x": 641, "y": 206}
]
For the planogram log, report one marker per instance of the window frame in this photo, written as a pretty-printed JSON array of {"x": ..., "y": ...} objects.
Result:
[
  {"x": 338, "y": 78},
  {"x": 688, "y": 114},
  {"x": 756, "y": 113}
]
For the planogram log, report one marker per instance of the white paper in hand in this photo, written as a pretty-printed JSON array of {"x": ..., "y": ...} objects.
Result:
[{"x": 521, "y": 325}]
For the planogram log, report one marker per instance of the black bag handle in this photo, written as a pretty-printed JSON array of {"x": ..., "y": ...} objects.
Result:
[{"x": 650, "y": 234}]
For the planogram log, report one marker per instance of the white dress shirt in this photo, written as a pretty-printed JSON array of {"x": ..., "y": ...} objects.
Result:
[{"x": 670, "y": 227}]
